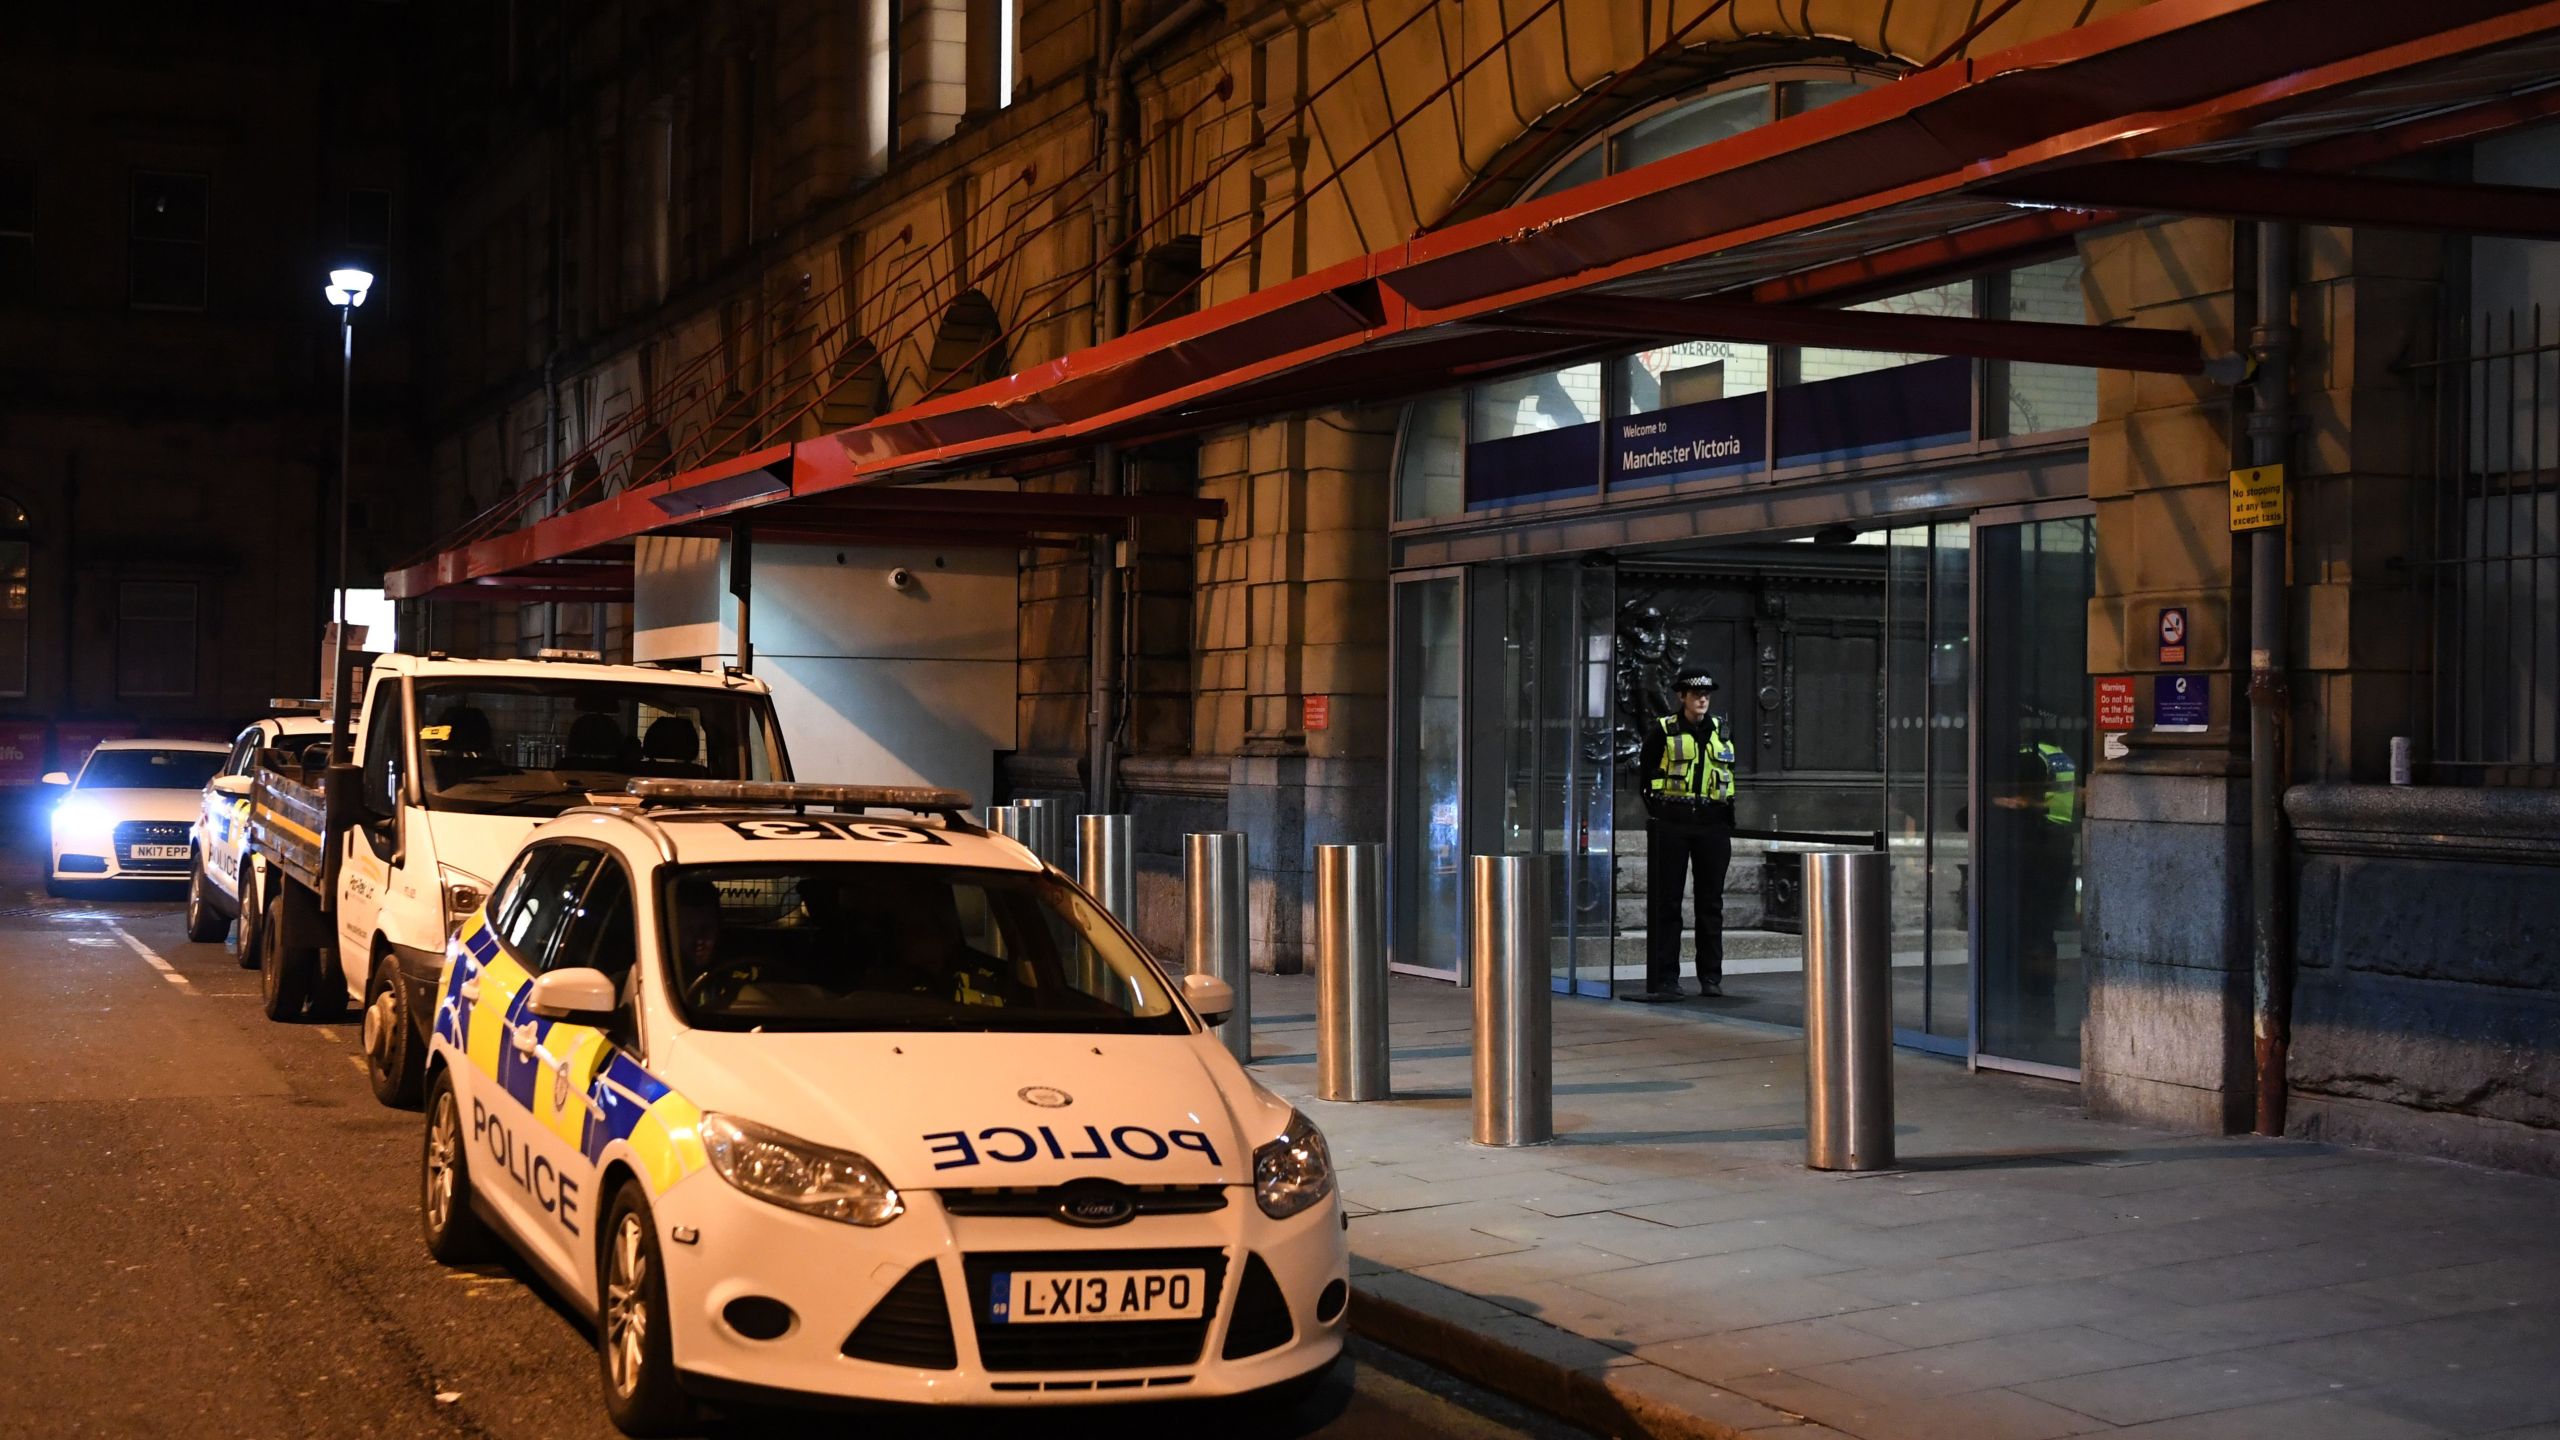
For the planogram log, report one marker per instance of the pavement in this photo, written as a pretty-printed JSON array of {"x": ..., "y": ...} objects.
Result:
[
  {"x": 211, "y": 1230},
  {"x": 1668, "y": 1267}
]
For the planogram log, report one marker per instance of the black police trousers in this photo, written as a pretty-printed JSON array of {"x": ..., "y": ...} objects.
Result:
[{"x": 1674, "y": 853}]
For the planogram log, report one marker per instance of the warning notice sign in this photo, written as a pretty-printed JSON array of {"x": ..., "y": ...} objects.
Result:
[{"x": 2113, "y": 705}]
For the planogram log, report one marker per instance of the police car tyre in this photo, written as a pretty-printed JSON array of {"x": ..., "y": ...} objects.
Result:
[
  {"x": 204, "y": 923},
  {"x": 284, "y": 975},
  {"x": 455, "y": 1233},
  {"x": 393, "y": 1058},
  {"x": 633, "y": 1353},
  {"x": 244, "y": 936}
]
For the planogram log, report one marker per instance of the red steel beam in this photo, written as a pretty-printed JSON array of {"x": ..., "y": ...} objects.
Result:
[
  {"x": 2250, "y": 192},
  {"x": 1922, "y": 263},
  {"x": 2452, "y": 127},
  {"x": 2101, "y": 347}
]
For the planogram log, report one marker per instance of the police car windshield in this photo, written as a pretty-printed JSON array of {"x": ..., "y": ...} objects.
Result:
[
  {"x": 150, "y": 769},
  {"x": 538, "y": 746},
  {"x": 900, "y": 946}
]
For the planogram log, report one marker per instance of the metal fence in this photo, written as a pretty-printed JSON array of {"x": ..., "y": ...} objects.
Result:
[{"x": 2491, "y": 578}]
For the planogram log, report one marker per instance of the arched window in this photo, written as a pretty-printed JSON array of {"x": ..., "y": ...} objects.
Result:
[
  {"x": 1545, "y": 436},
  {"x": 16, "y": 540}
]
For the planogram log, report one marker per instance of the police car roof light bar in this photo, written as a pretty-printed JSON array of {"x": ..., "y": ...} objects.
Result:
[{"x": 951, "y": 805}]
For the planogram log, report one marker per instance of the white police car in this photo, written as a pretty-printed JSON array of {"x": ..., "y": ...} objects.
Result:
[{"x": 865, "y": 1104}]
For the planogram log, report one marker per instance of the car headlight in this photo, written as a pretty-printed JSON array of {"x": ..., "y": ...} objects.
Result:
[
  {"x": 463, "y": 894},
  {"x": 82, "y": 825},
  {"x": 1294, "y": 1171},
  {"x": 796, "y": 1175}
]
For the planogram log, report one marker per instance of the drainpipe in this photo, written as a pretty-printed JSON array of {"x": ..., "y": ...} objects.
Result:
[
  {"x": 2270, "y": 431},
  {"x": 1111, "y": 308}
]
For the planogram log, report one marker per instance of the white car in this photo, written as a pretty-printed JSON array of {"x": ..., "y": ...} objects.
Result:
[
  {"x": 222, "y": 822},
  {"x": 865, "y": 1105},
  {"x": 131, "y": 813}
]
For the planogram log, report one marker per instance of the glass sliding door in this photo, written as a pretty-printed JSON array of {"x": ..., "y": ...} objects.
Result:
[
  {"x": 1928, "y": 693},
  {"x": 1552, "y": 688},
  {"x": 1426, "y": 775},
  {"x": 2033, "y": 577}
]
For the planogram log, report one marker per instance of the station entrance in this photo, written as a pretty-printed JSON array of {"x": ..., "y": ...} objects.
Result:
[{"x": 1920, "y": 688}]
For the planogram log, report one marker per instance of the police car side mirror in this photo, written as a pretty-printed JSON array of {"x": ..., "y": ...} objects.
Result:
[
  {"x": 56, "y": 777},
  {"x": 232, "y": 785},
  {"x": 1212, "y": 997},
  {"x": 577, "y": 996}
]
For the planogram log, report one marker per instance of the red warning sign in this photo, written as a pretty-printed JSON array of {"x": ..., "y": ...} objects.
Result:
[
  {"x": 2114, "y": 704},
  {"x": 1315, "y": 712}
]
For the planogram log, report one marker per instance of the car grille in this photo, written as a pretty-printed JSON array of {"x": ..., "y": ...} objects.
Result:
[
  {"x": 1043, "y": 1202},
  {"x": 1262, "y": 1314},
  {"x": 150, "y": 832},
  {"x": 911, "y": 1326},
  {"x": 1100, "y": 1344}
]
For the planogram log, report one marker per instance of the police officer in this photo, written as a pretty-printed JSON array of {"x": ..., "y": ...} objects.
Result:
[{"x": 1688, "y": 796}]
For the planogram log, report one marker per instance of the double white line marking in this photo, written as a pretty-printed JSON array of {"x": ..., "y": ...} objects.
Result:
[{"x": 167, "y": 971}]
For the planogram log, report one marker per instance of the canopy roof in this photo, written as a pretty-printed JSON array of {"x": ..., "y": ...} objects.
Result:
[{"x": 2165, "y": 109}]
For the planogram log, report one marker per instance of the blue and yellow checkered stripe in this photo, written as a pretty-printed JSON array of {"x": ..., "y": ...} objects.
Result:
[{"x": 661, "y": 1127}]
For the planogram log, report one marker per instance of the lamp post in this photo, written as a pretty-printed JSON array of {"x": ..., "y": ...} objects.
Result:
[{"x": 346, "y": 290}]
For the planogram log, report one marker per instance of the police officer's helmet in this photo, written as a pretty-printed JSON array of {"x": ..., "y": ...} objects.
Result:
[{"x": 1697, "y": 680}]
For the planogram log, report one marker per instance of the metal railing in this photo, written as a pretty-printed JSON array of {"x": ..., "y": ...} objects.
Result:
[{"x": 2490, "y": 577}]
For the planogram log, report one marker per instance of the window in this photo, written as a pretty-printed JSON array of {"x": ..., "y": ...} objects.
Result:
[
  {"x": 149, "y": 769},
  {"x": 155, "y": 639},
  {"x": 15, "y": 546},
  {"x": 2495, "y": 580},
  {"x": 874, "y": 85},
  {"x": 599, "y": 933},
  {"x": 549, "y": 882},
  {"x": 902, "y": 945},
  {"x": 169, "y": 229},
  {"x": 2035, "y": 398},
  {"x": 385, "y": 747},
  {"x": 1008, "y": 50},
  {"x": 536, "y": 747},
  {"x": 17, "y": 236}
]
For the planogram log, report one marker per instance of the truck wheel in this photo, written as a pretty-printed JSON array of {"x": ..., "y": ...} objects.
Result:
[
  {"x": 204, "y": 923},
  {"x": 284, "y": 976},
  {"x": 392, "y": 1057},
  {"x": 455, "y": 1233},
  {"x": 633, "y": 1349},
  {"x": 244, "y": 936}
]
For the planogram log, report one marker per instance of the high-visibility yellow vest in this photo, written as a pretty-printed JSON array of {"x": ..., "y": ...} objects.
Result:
[
  {"x": 2062, "y": 781},
  {"x": 1689, "y": 770}
]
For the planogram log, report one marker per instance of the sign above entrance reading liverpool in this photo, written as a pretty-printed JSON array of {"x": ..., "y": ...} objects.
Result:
[{"x": 1688, "y": 442}]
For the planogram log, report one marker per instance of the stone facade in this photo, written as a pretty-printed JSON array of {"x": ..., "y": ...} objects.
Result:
[{"x": 782, "y": 210}]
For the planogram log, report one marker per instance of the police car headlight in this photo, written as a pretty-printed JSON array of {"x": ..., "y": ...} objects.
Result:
[
  {"x": 796, "y": 1175},
  {"x": 1292, "y": 1172}
]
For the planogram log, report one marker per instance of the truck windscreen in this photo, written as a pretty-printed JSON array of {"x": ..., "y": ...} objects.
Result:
[{"x": 537, "y": 747}]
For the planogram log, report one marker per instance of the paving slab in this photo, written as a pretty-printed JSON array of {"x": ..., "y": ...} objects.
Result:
[{"x": 1668, "y": 1267}]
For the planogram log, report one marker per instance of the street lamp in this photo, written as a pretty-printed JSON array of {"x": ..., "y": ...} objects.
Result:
[{"x": 346, "y": 290}]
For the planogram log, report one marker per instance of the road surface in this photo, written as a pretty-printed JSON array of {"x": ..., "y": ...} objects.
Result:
[{"x": 211, "y": 1229}]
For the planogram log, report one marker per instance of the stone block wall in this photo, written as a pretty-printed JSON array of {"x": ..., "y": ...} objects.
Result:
[{"x": 2427, "y": 990}]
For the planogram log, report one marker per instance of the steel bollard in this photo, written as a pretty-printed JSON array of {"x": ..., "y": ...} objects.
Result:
[
  {"x": 1215, "y": 940},
  {"x": 1514, "y": 1032},
  {"x": 1106, "y": 865},
  {"x": 1351, "y": 973},
  {"x": 1006, "y": 820},
  {"x": 1039, "y": 821},
  {"x": 1848, "y": 1011}
]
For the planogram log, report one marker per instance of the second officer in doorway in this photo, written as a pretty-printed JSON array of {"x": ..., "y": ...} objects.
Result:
[{"x": 1688, "y": 796}]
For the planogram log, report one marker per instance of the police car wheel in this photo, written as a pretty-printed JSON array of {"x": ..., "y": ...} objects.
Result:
[
  {"x": 284, "y": 976},
  {"x": 204, "y": 923},
  {"x": 641, "y": 1392},
  {"x": 455, "y": 1233},
  {"x": 392, "y": 1058},
  {"x": 244, "y": 936}
]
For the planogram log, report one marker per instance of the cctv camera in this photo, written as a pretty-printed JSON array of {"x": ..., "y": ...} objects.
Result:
[{"x": 901, "y": 579}]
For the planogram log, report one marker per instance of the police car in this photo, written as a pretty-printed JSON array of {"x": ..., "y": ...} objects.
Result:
[
  {"x": 222, "y": 827},
  {"x": 823, "y": 1091}
]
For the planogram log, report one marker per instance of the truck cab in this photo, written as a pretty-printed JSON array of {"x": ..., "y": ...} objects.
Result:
[{"x": 459, "y": 761}]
